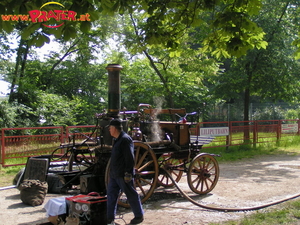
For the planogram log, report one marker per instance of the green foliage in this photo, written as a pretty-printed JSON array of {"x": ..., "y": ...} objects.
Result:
[
  {"x": 84, "y": 111},
  {"x": 266, "y": 74},
  {"x": 15, "y": 115},
  {"x": 293, "y": 113},
  {"x": 50, "y": 110},
  {"x": 57, "y": 110},
  {"x": 297, "y": 44},
  {"x": 236, "y": 33},
  {"x": 268, "y": 113},
  {"x": 168, "y": 50},
  {"x": 179, "y": 77},
  {"x": 139, "y": 84},
  {"x": 164, "y": 22}
]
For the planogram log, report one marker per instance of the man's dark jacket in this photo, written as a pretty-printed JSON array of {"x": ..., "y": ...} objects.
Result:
[{"x": 122, "y": 156}]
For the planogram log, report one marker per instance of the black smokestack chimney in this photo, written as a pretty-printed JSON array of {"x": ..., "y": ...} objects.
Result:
[{"x": 114, "y": 90}]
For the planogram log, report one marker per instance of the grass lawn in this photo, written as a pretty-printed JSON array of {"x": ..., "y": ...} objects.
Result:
[
  {"x": 286, "y": 213},
  {"x": 7, "y": 175}
]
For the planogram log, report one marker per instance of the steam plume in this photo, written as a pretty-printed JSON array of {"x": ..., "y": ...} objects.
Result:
[{"x": 155, "y": 128}]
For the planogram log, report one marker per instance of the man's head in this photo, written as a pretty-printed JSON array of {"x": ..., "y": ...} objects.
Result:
[{"x": 115, "y": 127}]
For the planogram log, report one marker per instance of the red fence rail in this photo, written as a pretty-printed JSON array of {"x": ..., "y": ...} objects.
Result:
[
  {"x": 34, "y": 141},
  {"x": 250, "y": 132},
  {"x": 26, "y": 142}
]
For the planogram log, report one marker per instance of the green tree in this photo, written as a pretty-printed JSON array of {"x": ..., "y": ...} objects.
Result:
[
  {"x": 30, "y": 75},
  {"x": 177, "y": 76},
  {"x": 233, "y": 32},
  {"x": 15, "y": 115},
  {"x": 55, "y": 110},
  {"x": 270, "y": 74}
]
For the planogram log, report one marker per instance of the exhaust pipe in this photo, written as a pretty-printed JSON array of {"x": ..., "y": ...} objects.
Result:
[
  {"x": 114, "y": 90},
  {"x": 114, "y": 101}
]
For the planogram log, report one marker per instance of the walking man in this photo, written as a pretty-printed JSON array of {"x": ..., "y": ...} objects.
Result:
[{"x": 121, "y": 174}]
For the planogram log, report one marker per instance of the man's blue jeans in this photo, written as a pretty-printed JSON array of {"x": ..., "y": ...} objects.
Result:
[{"x": 115, "y": 185}]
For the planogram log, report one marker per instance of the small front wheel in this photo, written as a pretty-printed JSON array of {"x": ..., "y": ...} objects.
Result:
[{"x": 203, "y": 173}]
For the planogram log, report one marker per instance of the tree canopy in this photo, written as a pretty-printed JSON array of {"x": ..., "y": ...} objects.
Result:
[
  {"x": 191, "y": 54},
  {"x": 270, "y": 74},
  {"x": 232, "y": 31}
]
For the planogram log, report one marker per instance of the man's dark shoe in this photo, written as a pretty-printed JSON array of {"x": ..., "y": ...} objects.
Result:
[{"x": 137, "y": 220}]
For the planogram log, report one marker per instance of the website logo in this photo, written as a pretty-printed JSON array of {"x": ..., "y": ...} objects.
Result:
[{"x": 51, "y": 18}]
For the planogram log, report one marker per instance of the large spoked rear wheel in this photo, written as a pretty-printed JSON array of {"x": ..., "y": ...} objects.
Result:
[
  {"x": 146, "y": 173},
  {"x": 203, "y": 173}
]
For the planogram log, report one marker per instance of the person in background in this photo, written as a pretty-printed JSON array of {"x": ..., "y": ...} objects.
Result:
[{"x": 121, "y": 174}]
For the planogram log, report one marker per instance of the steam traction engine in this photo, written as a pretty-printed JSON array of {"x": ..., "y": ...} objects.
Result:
[{"x": 159, "y": 146}]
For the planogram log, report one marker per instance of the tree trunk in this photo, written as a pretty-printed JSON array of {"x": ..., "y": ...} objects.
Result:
[
  {"x": 250, "y": 69},
  {"x": 22, "y": 53},
  {"x": 170, "y": 99},
  {"x": 246, "y": 115}
]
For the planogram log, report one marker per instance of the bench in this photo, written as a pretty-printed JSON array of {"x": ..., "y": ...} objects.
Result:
[{"x": 202, "y": 140}]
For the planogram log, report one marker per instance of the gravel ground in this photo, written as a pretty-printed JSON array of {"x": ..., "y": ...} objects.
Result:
[{"x": 243, "y": 184}]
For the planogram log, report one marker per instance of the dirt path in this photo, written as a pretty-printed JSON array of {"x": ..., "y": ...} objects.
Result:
[{"x": 247, "y": 183}]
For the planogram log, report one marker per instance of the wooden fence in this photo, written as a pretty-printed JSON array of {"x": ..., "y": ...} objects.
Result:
[{"x": 22, "y": 143}]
